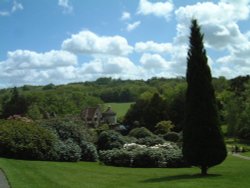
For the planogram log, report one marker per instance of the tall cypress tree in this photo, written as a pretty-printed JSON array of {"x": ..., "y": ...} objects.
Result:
[{"x": 203, "y": 144}]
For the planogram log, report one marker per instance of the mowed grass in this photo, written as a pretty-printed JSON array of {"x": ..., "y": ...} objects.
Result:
[
  {"x": 233, "y": 173},
  {"x": 247, "y": 154},
  {"x": 120, "y": 108}
]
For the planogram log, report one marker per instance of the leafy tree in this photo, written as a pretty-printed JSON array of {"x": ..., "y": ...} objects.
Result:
[
  {"x": 203, "y": 144},
  {"x": 163, "y": 127},
  {"x": 155, "y": 112},
  {"x": 17, "y": 105},
  {"x": 148, "y": 112},
  {"x": 23, "y": 140}
]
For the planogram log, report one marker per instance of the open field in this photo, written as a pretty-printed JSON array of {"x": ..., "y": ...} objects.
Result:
[
  {"x": 233, "y": 173},
  {"x": 120, "y": 108}
]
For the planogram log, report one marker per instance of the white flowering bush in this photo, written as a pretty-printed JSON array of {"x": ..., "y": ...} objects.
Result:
[
  {"x": 136, "y": 155},
  {"x": 132, "y": 146}
]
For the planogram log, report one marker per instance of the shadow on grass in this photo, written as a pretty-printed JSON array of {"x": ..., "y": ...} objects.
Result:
[{"x": 179, "y": 177}]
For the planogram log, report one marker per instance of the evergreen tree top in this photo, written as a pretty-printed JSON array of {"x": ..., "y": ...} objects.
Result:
[{"x": 197, "y": 58}]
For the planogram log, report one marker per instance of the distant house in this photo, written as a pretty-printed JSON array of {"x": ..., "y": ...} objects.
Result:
[
  {"x": 94, "y": 117},
  {"x": 109, "y": 116}
]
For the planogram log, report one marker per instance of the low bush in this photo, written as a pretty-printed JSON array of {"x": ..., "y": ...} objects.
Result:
[
  {"x": 109, "y": 140},
  {"x": 244, "y": 133},
  {"x": 172, "y": 137},
  {"x": 150, "y": 141},
  {"x": 116, "y": 157},
  {"x": 135, "y": 155},
  {"x": 24, "y": 140},
  {"x": 68, "y": 129},
  {"x": 67, "y": 151},
  {"x": 89, "y": 152},
  {"x": 140, "y": 132},
  {"x": 71, "y": 134},
  {"x": 148, "y": 157}
]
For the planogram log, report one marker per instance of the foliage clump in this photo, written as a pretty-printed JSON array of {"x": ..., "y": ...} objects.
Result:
[
  {"x": 136, "y": 155},
  {"x": 23, "y": 140}
]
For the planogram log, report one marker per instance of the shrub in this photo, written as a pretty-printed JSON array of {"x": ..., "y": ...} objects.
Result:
[
  {"x": 163, "y": 127},
  {"x": 69, "y": 129},
  {"x": 67, "y": 151},
  {"x": 172, "y": 136},
  {"x": 244, "y": 133},
  {"x": 116, "y": 157},
  {"x": 89, "y": 152},
  {"x": 135, "y": 155},
  {"x": 24, "y": 140},
  {"x": 110, "y": 139},
  {"x": 150, "y": 141},
  {"x": 148, "y": 157},
  {"x": 140, "y": 132}
]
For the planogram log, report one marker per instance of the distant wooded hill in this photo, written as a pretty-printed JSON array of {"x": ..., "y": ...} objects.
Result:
[{"x": 39, "y": 102}]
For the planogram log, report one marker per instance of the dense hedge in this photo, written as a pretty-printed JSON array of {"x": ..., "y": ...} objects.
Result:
[
  {"x": 150, "y": 141},
  {"x": 166, "y": 155},
  {"x": 67, "y": 150},
  {"x": 88, "y": 151},
  {"x": 109, "y": 140},
  {"x": 140, "y": 132},
  {"x": 59, "y": 142},
  {"x": 172, "y": 136},
  {"x": 25, "y": 141},
  {"x": 74, "y": 140}
]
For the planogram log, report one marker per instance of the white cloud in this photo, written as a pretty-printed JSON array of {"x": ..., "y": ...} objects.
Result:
[
  {"x": 125, "y": 16},
  {"x": 219, "y": 22},
  {"x": 4, "y": 13},
  {"x": 154, "y": 61},
  {"x": 29, "y": 67},
  {"x": 16, "y": 6},
  {"x": 65, "y": 4},
  {"x": 25, "y": 59},
  {"x": 151, "y": 46},
  {"x": 110, "y": 66},
  {"x": 131, "y": 27},
  {"x": 87, "y": 42},
  {"x": 159, "y": 9}
]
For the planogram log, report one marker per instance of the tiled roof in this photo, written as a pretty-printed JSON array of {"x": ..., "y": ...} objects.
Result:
[{"x": 89, "y": 113}]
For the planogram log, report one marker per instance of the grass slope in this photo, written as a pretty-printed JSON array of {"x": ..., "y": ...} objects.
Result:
[
  {"x": 120, "y": 108},
  {"x": 233, "y": 173}
]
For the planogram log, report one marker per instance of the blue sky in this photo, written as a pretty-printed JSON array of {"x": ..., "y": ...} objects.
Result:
[{"x": 62, "y": 41}]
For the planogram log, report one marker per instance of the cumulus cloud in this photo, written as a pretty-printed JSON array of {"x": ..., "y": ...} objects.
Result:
[
  {"x": 110, "y": 66},
  {"x": 154, "y": 62},
  {"x": 219, "y": 22},
  {"x": 151, "y": 46},
  {"x": 125, "y": 16},
  {"x": 159, "y": 9},
  {"x": 25, "y": 59},
  {"x": 4, "y": 13},
  {"x": 87, "y": 42},
  {"x": 65, "y": 4},
  {"x": 29, "y": 67},
  {"x": 15, "y": 7},
  {"x": 132, "y": 26}
]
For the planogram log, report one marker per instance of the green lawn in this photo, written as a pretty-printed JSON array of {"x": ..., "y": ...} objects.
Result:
[
  {"x": 233, "y": 173},
  {"x": 120, "y": 108},
  {"x": 247, "y": 154}
]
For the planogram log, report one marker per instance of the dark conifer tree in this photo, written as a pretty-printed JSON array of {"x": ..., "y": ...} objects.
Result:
[
  {"x": 17, "y": 105},
  {"x": 203, "y": 144}
]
